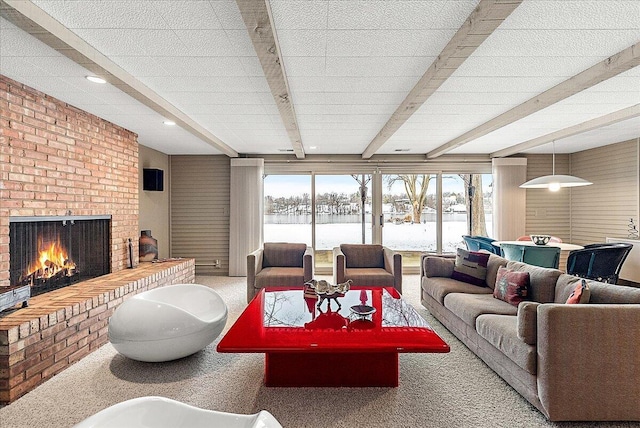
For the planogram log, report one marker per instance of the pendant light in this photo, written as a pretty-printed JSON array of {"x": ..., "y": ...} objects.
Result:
[{"x": 554, "y": 182}]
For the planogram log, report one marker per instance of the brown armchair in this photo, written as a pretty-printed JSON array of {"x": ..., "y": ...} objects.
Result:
[
  {"x": 367, "y": 264},
  {"x": 278, "y": 264}
]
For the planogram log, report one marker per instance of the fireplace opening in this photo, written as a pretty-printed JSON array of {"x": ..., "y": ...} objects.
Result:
[{"x": 53, "y": 252}]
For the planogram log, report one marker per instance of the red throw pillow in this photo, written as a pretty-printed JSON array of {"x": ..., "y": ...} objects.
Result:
[
  {"x": 471, "y": 267},
  {"x": 512, "y": 286},
  {"x": 580, "y": 293}
]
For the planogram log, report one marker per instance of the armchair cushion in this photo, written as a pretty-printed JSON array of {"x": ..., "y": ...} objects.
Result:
[
  {"x": 363, "y": 255},
  {"x": 281, "y": 254}
]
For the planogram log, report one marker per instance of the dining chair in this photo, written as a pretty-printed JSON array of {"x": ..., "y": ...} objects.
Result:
[
  {"x": 538, "y": 255},
  {"x": 477, "y": 243},
  {"x": 601, "y": 262}
]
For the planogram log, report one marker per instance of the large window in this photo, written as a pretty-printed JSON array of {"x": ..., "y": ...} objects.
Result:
[
  {"x": 415, "y": 215},
  {"x": 287, "y": 208}
]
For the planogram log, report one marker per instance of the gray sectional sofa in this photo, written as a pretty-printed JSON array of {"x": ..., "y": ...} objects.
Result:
[{"x": 574, "y": 362}]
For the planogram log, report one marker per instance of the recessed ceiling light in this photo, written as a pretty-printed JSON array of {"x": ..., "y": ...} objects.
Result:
[
  {"x": 285, "y": 150},
  {"x": 313, "y": 147},
  {"x": 96, "y": 79},
  {"x": 401, "y": 150},
  {"x": 169, "y": 122}
]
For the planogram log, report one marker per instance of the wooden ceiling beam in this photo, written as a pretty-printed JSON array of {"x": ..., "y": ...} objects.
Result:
[
  {"x": 484, "y": 19},
  {"x": 589, "y": 125},
  {"x": 257, "y": 17},
  {"x": 606, "y": 69}
]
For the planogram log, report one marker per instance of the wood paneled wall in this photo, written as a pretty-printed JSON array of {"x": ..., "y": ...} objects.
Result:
[
  {"x": 548, "y": 213},
  {"x": 199, "y": 209},
  {"x": 605, "y": 208},
  {"x": 584, "y": 215}
]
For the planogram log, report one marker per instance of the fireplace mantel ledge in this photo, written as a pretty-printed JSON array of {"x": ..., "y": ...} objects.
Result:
[{"x": 26, "y": 219}]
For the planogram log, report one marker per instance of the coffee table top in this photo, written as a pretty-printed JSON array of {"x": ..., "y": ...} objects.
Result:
[{"x": 288, "y": 320}]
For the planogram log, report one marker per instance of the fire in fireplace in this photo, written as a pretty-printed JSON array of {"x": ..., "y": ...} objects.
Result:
[{"x": 53, "y": 252}]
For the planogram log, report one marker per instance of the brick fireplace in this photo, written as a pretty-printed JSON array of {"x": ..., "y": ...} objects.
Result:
[{"x": 59, "y": 161}]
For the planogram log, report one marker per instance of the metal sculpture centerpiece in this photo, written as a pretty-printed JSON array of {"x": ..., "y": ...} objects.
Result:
[{"x": 328, "y": 292}]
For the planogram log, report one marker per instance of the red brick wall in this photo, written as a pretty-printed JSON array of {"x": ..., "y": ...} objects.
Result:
[
  {"x": 55, "y": 158},
  {"x": 63, "y": 326}
]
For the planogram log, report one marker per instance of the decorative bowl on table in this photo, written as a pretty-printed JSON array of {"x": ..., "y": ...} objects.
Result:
[{"x": 540, "y": 239}]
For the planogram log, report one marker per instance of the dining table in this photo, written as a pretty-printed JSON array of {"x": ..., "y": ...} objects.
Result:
[{"x": 565, "y": 248}]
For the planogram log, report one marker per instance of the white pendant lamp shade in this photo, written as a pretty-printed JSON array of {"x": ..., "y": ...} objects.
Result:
[{"x": 554, "y": 182}]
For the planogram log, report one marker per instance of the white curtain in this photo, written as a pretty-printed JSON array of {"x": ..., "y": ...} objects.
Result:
[
  {"x": 509, "y": 200},
  {"x": 246, "y": 211}
]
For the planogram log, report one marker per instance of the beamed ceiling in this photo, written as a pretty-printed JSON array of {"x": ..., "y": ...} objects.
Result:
[{"x": 321, "y": 77}]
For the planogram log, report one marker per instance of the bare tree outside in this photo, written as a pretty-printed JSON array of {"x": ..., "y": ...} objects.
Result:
[
  {"x": 415, "y": 186},
  {"x": 475, "y": 204}
]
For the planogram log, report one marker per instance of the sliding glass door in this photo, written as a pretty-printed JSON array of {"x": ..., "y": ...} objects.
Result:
[
  {"x": 414, "y": 213},
  {"x": 343, "y": 214}
]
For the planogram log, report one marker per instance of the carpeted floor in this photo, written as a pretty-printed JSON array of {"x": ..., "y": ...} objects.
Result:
[{"x": 436, "y": 390}]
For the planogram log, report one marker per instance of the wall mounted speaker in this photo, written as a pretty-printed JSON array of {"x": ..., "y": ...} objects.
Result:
[{"x": 153, "y": 179}]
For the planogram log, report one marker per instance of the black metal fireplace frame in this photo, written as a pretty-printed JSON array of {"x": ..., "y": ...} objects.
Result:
[{"x": 99, "y": 259}]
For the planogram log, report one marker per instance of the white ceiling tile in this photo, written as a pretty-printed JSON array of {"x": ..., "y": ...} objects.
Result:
[
  {"x": 187, "y": 14},
  {"x": 299, "y": 15},
  {"x": 575, "y": 14},
  {"x": 205, "y": 43},
  {"x": 133, "y": 42},
  {"x": 399, "y": 15},
  {"x": 302, "y": 42},
  {"x": 228, "y": 14},
  {"x": 201, "y": 66},
  {"x": 141, "y": 66},
  {"x": 104, "y": 13},
  {"x": 378, "y": 66}
]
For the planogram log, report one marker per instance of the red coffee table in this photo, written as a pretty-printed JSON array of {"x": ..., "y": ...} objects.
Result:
[{"x": 329, "y": 345}]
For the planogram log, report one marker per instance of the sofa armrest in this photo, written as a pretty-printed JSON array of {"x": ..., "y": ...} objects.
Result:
[
  {"x": 339, "y": 265},
  {"x": 307, "y": 264},
  {"x": 528, "y": 322},
  {"x": 393, "y": 265},
  {"x": 254, "y": 266},
  {"x": 589, "y": 361}
]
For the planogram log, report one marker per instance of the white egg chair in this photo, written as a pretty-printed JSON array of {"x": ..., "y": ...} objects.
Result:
[
  {"x": 161, "y": 412},
  {"x": 167, "y": 323}
]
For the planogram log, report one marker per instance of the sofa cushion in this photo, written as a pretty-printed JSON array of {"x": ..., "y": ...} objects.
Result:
[
  {"x": 468, "y": 307},
  {"x": 528, "y": 322},
  {"x": 363, "y": 255},
  {"x": 511, "y": 286},
  {"x": 280, "y": 277},
  {"x": 470, "y": 267},
  {"x": 599, "y": 292},
  {"x": 580, "y": 293},
  {"x": 542, "y": 281},
  {"x": 494, "y": 263},
  {"x": 438, "y": 288},
  {"x": 438, "y": 266},
  {"x": 369, "y": 276},
  {"x": 501, "y": 332},
  {"x": 283, "y": 254}
]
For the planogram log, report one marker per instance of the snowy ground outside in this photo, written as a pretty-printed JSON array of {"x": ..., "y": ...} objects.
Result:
[{"x": 400, "y": 237}]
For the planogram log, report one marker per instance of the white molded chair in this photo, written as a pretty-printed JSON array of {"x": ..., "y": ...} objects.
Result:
[
  {"x": 160, "y": 412},
  {"x": 167, "y": 323}
]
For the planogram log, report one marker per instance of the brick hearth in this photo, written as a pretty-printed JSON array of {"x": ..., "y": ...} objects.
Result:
[{"x": 63, "y": 326}]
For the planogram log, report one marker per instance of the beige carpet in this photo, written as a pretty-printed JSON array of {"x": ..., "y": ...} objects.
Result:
[{"x": 436, "y": 390}]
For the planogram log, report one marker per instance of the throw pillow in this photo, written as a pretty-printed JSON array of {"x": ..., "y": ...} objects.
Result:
[
  {"x": 471, "y": 267},
  {"x": 512, "y": 286},
  {"x": 580, "y": 293}
]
